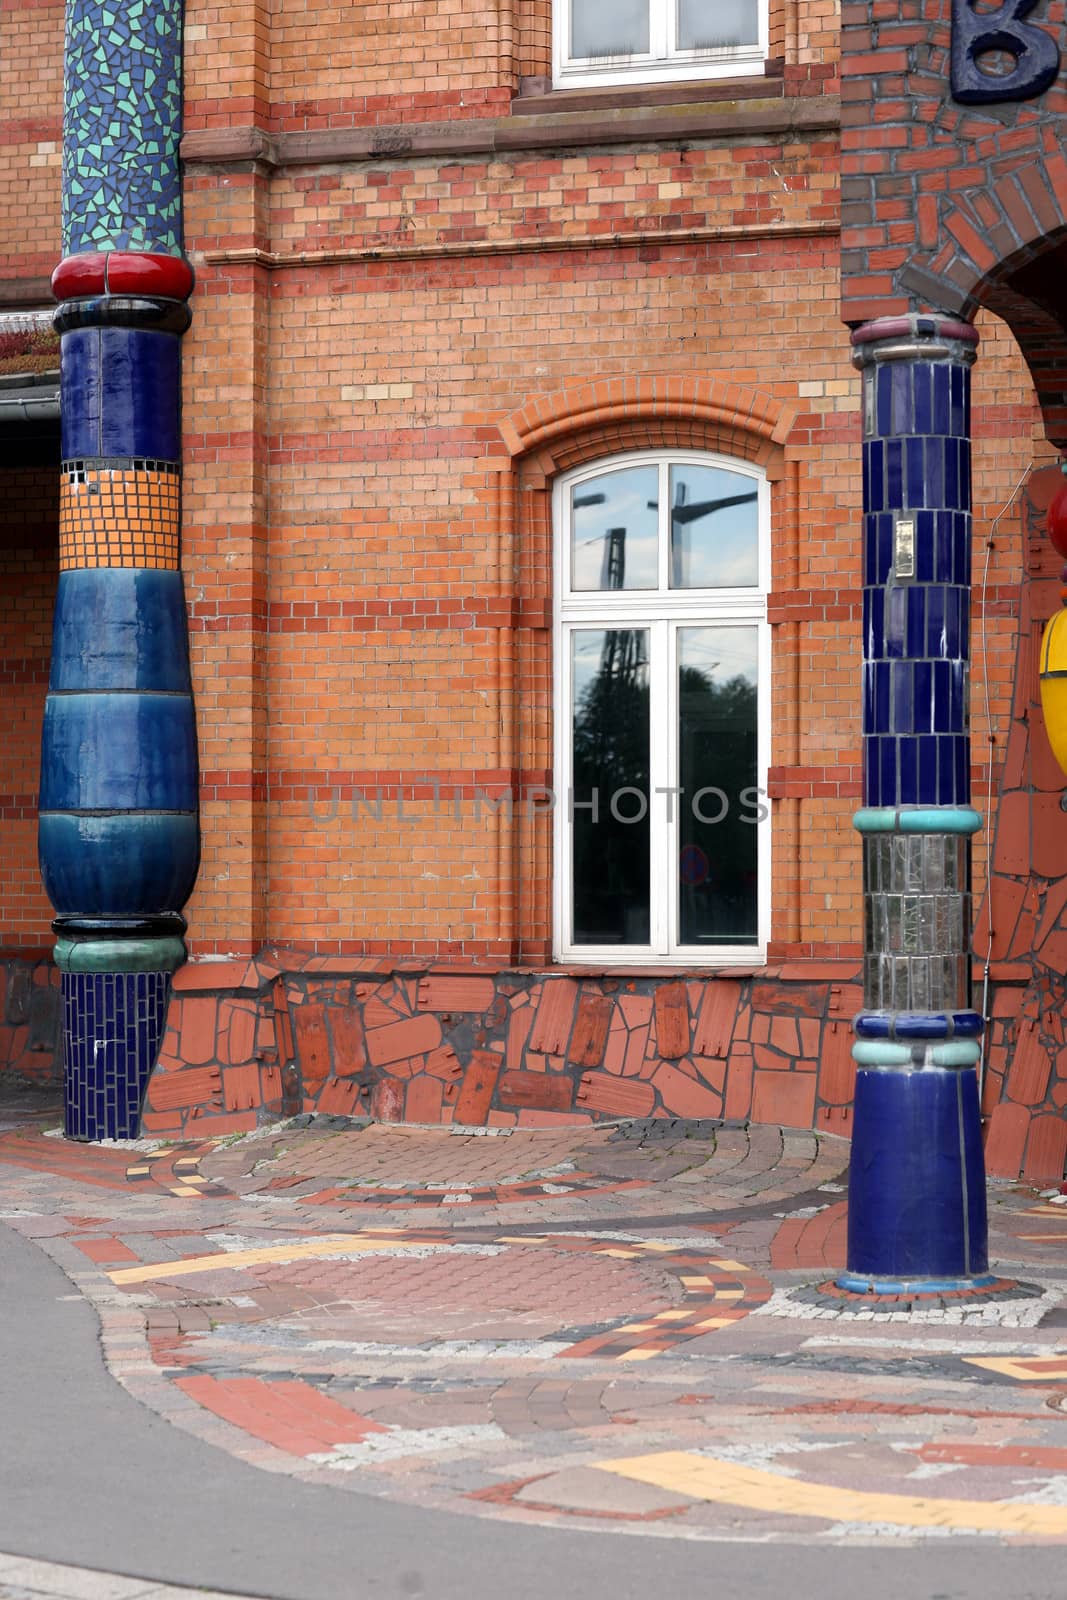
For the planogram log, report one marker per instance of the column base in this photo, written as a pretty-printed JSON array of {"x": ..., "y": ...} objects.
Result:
[
  {"x": 113, "y": 1026},
  {"x": 853, "y": 1283},
  {"x": 916, "y": 1202}
]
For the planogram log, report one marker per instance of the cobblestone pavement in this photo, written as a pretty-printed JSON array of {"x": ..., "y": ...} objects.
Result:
[{"x": 632, "y": 1327}]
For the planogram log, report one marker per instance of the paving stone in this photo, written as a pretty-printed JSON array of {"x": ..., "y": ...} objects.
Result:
[{"x": 586, "y": 1489}]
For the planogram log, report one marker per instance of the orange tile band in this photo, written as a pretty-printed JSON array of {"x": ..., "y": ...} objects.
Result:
[{"x": 123, "y": 515}]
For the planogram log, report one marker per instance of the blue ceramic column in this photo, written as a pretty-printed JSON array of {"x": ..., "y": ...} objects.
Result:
[
  {"x": 917, "y": 1206},
  {"x": 119, "y": 830}
]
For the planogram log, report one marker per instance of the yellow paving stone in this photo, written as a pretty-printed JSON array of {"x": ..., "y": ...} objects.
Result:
[
  {"x": 672, "y": 1316},
  {"x": 182, "y": 1189},
  {"x": 715, "y": 1322},
  {"x": 730, "y": 1294},
  {"x": 225, "y": 1259},
  {"x": 730, "y": 1266},
  {"x": 623, "y": 1255},
  {"x": 1025, "y": 1369},
  {"x": 640, "y": 1354},
  {"x": 697, "y": 1283},
  {"x": 726, "y": 1483}
]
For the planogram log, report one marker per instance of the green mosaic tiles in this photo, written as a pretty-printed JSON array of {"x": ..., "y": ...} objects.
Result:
[{"x": 122, "y": 124}]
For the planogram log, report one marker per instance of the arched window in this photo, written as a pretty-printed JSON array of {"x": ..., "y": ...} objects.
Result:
[{"x": 661, "y": 730}]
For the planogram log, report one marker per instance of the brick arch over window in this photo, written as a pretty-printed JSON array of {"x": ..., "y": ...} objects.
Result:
[
  {"x": 554, "y": 434},
  {"x": 559, "y": 431}
]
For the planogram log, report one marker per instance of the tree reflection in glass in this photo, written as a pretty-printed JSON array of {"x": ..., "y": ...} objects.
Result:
[
  {"x": 717, "y": 753},
  {"x": 610, "y": 863}
]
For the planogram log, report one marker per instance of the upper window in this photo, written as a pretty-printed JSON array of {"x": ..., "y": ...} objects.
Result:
[
  {"x": 630, "y": 41},
  {"x": 661, "y": 727}
]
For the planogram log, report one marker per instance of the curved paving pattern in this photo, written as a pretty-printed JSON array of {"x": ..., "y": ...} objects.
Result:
[{"x": 601, "y": 1302}]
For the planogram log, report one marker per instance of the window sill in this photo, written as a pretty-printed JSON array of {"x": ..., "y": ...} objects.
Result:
[{"x": 538, "y": 98}]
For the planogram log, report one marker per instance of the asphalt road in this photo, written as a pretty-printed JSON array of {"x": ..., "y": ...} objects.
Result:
[{"x": 90, "y": 1477}]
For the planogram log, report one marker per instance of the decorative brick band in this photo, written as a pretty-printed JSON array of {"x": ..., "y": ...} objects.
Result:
[{"x": 119, "y": 514}]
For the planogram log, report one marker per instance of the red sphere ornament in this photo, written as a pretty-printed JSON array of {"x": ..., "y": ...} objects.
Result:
[{"x": 1056, "y": 520}]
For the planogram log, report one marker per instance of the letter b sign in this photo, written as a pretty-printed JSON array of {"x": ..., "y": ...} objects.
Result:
[{"x": 975, "y": 34}]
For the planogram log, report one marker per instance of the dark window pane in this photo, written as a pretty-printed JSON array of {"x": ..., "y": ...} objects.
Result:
[
  {"x": 718, "y": 829},
  {"x": 714, "y": 529},
  {"x": 610, "y": 863},
  {"x": 618, "y": 28},
  {"x": 615, "y": 530},
  {"x": 716, "y": 24}
]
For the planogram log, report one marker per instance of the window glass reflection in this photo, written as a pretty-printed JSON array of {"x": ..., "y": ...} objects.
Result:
[
  {"x": 714, "y": 519},
  {"x": 614, "y": 530},
  {"x": 716, "y": 24},
  {"x": 718, "y": 810},
  {"x": 619, "y": 28},
  {"x": 610, "y": 786}
]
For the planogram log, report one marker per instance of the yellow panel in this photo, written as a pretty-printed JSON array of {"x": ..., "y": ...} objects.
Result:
[{"x": 704, "y": 1478}]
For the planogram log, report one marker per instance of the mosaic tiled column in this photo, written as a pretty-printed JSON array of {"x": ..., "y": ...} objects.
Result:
[
  {"x": 917, "y": 1209},
  {"x": 119, "y": 831}
]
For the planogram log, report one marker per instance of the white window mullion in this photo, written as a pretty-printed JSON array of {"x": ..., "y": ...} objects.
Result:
[
  {"x": 562, "y": 896},
  {"x": 661, "y": 28},
  {"x": 659, "y": 772},
  {"x": 670, "y": 828}
]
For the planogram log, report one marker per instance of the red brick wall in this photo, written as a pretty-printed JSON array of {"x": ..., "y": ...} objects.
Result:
[
  {"x": 28, "y": 572},
  {"x": 426, "y": 286}
]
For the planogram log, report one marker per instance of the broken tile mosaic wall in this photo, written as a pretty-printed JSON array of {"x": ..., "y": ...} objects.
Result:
[{"x": 118, "y": 828}]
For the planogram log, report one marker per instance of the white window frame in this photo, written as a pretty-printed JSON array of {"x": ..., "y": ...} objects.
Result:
[
  {"x": 664, "y": 61},
  {"x": 663, "y": 612}
]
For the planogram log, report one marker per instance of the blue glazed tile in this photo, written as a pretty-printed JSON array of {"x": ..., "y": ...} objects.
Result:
[
  {"x": 924, "y": 560},
  {"x": 914, "y": 473},
  {"x": 944, "y": 543},
  {"x": 934, "y": 635},
  {"x": 924, "y": 411},
  {"x": 118, "y": 628},
  {"x": 875, "y": 599},
  {"x": 894, "y": 474},
  {"x": 963, "y": 549},
  {"x": 121, "y": 389},
  {"x": 946, "y": 771},
  {"x": 909, "y": 771},
  {"x": 875, "y": 453},
  {"x": 117, "y": 752},
  {"x": 902, "y": 410},
  {"x": 956, "y": 401},
  {"x": 941, "y": 403},
  {"x": 883, "y": 400},
  {"x": 941, "y": 719},
  {"x": 872, "y": 788},
  {"x": 107, "y": 1058},
  {"x": 124, "y": 864},
  {"x": 865, "y": 468},
  {"x": 896, "y": 621},
  {"x": 935, "y": 471},
  {"x": 888, "y": 762},
  {"x": 917, "y": 594},
  {"x": 952, "y": 472},
  {"x": 923, "y": 692},
  {"x": 957, "y": 695},
  {"x": 965, "y": 474},
  {"x": 926, "y": 793},
  {"x": 963, "y": 771},
  {"x": 882, "y": 684},
  {"x": 903, "y": 710}
]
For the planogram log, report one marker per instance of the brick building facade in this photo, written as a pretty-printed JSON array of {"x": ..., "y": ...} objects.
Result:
[{"x": 438, "y": 277}]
